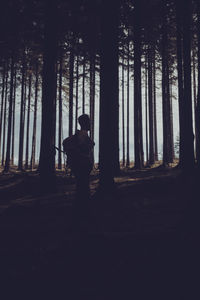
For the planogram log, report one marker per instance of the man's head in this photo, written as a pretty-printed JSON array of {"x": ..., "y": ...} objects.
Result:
[{"x": 84, "y": 122}]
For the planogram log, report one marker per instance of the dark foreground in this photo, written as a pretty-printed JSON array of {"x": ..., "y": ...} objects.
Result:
[{"x": 140, "y": 243}]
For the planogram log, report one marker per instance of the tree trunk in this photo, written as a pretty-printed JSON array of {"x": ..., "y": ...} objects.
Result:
[
  {"x": 83, "y": 88},
  {"x": 138, "y": 142},
  {"x": 109, "y": 98},
  {"x": 165, "y": 89},
  {"x": 28, "y": 121},
  {"x": 4, "y": 75},
  {"x": 77, "y": 93},
  {"x": 47, "y": 150},
  {"x": 123, "y": 114},
  {"x": 7, "y": 163},
  {"x": 154, "y": 108},
  {"x": 13, "y": 119},
  {"x": 71, "y": 87},
  {"x": 128, "y": 80},
  {"x": 32, "y": 163},
  {"x": 179, "y": 46},
  {"x": 4, "y": 117},
  {"x": 60, "y": 114},
  {"x": 146, "y": 108},
  {"x": 92, "y": 94},
  {"x": 151, "y": 112},
  {"x": 188, "y": 138},
  {"x": 21, "y": 129},
  {"x": 194, "y": 96},
  {"x": 198, "y": 91}
]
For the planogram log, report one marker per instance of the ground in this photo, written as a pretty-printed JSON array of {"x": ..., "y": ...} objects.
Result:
[{"x": 139, "y": 243}]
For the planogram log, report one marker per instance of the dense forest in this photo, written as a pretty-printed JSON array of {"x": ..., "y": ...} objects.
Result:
[
  {"x": 69, "y": 57},
  {"x": 127, "y": 64}
]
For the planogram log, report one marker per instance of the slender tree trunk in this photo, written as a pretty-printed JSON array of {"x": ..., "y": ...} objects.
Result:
[
  {"x": 7, "y": 163},
  {"x": 165, "y": 93},
  {"x": 198, "y": 91},
  {"x": 4, "y": 117},
  {"x": 77, "y": 93},
  {"x": 155, "y": 111},
  {"x": 138, "y": 141},
  {"x": 28, "y": 121},
  {"x": 151, "y": 112},
  {"x": 60, "y": 114},
  {"x": 180, "y": 78},
  {"x": 146, "y": 109},
  {"x": 188, "y": 141},
  {"x": 169, "y": 122},
  {"x": 47, "y": 150},
  {"x": 171, "y": 125},
  {"x": 194, "y": 96},
  {"x": 83, "y": 88},
  {"x": 33, "y": 150},
  {"x": 21, "y": 130},
  {"x": 123, "y": 113},
  {"x": 2, "y": 102},
  {"x": 13, "y": 119},
  {"x": 71, "y": 94},
  {"x": 128, "y": 88},
  {"x": 109, "y": 96},
  {"x": 92, "y": 94}
]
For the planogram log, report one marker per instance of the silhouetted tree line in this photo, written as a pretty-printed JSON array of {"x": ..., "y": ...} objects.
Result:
[{"x": 52, "y": 51}]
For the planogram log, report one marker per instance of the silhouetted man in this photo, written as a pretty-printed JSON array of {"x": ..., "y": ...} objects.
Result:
[{"x": 80, "y": 158}]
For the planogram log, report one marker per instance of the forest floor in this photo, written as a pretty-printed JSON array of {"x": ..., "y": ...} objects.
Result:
[{"x": 141, "y": 243}]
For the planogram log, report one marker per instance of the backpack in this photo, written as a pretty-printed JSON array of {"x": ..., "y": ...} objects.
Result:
[{"x": 79, "y": 155}]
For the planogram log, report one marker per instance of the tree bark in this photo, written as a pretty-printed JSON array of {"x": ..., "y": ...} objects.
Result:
[
  {"x": 2, "y": 101},
  {"x": 138, "y": 141},
  {"x": 7, "y": 162},
  {"x": 28, "y": 121},
  {"x": 47, "y": 150},
  {"x": 60, "y": 114},
  {"x": 109, "y": 98},
  {"x": 33, "y": 150},
  {"x": 13, "y": 119},
  {"x": 71, "y": 87},
  {"x": 128, "y": 105},
  {"x": 188, "y": 138},
  {"x": 198, "y": 91},
  {"x": 4, "y": 117},
  {"x": 21, "y": 129}
]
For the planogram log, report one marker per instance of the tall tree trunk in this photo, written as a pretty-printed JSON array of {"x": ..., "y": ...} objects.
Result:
[
  {"x": 47, "y": 150},
  {"x": 169, "y": 114},
  {"x": 2, "y": 102},
  {"x": 83, "y": 87},
  {"x": 109, "y": 98},
  {"x": 92, "y": 94},
  {"x": 7, "y": 163},
  {"x": 198, "y": 91},
  {"x": 171, "y": 125},
  {"x": 77, "y": 92},
  {"x": 151, "y": 112},
  {"x": 128, "y": 88},
  {"x": 4, "y": 117},
  {"x": 13, "y": 119},
  {"x": 28, "y": 121},
  {"x": 188, "y": 138},
  {"x": 33, "y": 150},
  {"x": 138, "y": 141},
  {"x": 60, "y": 113},
  {"x": 194, "y": 96},
  {"x": 146, "y": 107},
  {"x": 21, "y": 129},
  {"x": 165, "y": 91},
  {"x": 155, "y": 110},
  {"x": 180, "y": 78},
  {"x": 123, "y": 114},
  {"x": 71, "y": 87}
]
